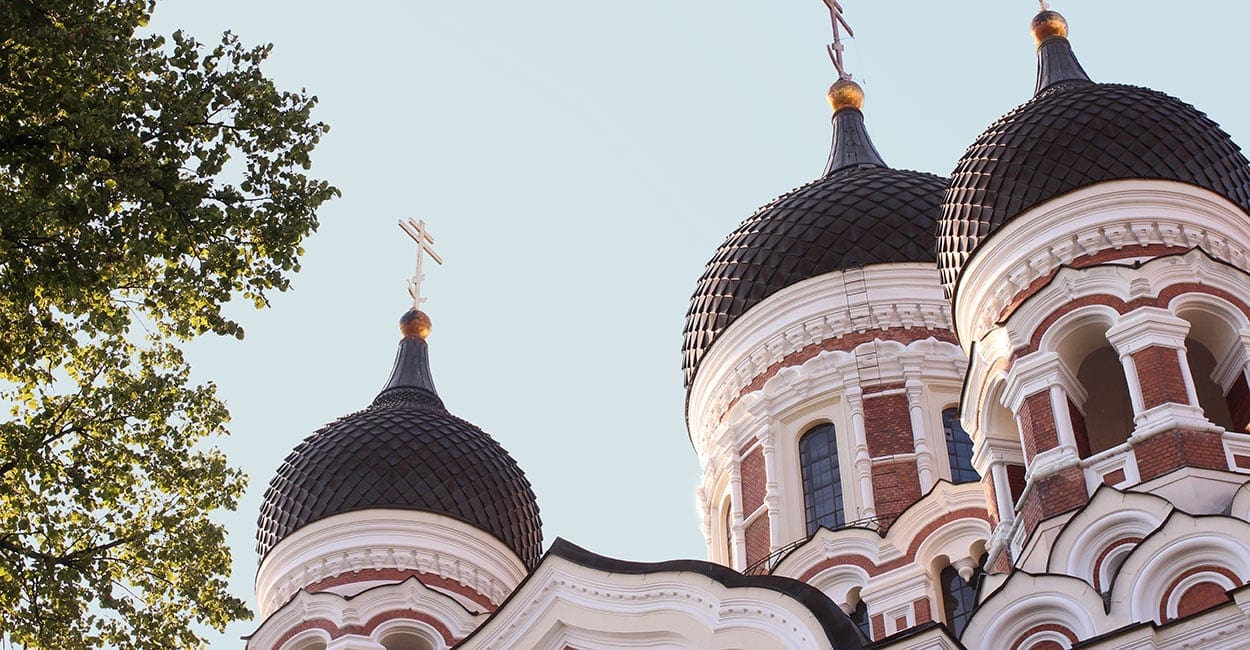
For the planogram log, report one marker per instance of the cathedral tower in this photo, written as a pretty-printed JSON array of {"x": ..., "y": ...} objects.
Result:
[{"x": 398, "y": 527}]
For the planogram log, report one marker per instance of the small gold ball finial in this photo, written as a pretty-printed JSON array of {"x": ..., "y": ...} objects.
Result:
[
  {"x": 845, "y": 93},
  {"x": 1048, "y": 24},
  {"x": 415, "y": 323}
]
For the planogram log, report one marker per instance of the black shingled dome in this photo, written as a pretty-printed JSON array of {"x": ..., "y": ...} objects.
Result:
[
  {"x": 405, "y": 451},
  {"x": 853, "y": 216},
  {"x": 1073, "y": 134}
]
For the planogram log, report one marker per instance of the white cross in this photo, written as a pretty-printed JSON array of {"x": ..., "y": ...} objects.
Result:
[
  {"x": 835, "y": 49},
  {"x": 416, "y": 230}
]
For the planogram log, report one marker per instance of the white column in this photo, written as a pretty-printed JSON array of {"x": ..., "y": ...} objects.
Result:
[
  {"x": 705, "y": 522},
  {"x": 1134, "y": 384},
  {"x": 1245, "y": 351},
  {"x": 739, "y": 529},
  {"x": 863, "y": 463},
  {"x": 1002, "y": 492},
  {"x": 1191, "y": 389},
  {"x": 1044, "y": 371},
  {"x": 772, "y": 489},
  {"x": 920, "y": 438},
  {"x": 1064, "y": 429}
]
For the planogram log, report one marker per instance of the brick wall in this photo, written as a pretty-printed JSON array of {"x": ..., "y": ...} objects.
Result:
[
  {"x": 1038, "y": 432},
  {"x": 1079, "y": 430},
  {"x": 1015, "y": 478},
  {"x": 754, "y": 481},
  {"x": 1239, "y": 403},
  {"x": 1199, "y": 597},
  {"x": 1172, "y": 450},
  {"x": 1053, "y": 495},
  {"x": 757, "y": 540},
  {"x": 888, "y": 425},
  {"x": 1159, "y": 372},
  {"x": 991, "y": 498},
  {"x": 895, "y": 486},
  {"x": 1044, "y": 645},
  {"x": 923, "y": 611}
]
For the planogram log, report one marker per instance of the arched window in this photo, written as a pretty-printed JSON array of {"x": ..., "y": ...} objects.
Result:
[
  {"x": 859, "y": 616},
  {"x": 728, "y": 522},
  {"x": 822, "y": 482},
  {"x": 958, "y": 448},
  {"x": 1210, "y": 396},
  {"x": 959, "y": 598}
]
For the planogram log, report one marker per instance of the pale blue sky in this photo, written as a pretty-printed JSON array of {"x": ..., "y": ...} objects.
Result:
[{"x": 578, "y": 163}]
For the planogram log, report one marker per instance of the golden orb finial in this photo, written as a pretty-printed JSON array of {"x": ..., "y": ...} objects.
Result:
[
  {"x": 845, "y": 93},
  {"x": 1048, "y": 24},
  {"x": 415, "y": 323}
]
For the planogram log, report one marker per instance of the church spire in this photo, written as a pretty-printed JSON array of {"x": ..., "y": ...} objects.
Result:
[
  {"x": 412, "y": 361},
  {"x": 1055, "y": 60},
  {"x": 851, "y": 145}
]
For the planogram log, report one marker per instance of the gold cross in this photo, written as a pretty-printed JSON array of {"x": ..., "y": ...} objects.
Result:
[
  {"x": 835, "y": 48},
  {"x": 425, "y": 246}
]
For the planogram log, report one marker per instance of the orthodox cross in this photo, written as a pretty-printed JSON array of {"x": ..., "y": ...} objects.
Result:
[
  {"x": 835, "y": 49},
  {"x": 425, "y": 246}
]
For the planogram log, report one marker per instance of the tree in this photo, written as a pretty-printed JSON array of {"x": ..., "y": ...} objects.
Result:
[{"x": 144, "y": 183}]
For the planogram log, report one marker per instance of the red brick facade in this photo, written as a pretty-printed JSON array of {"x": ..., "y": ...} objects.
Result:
[
  {"x": 844, "y": 343},
  {"x": 758, "y": 544},
  {"x": 1052, "y": 495},
  {"x": 1015, "y": 478},
  {"x": 1159, "y": 373},
  {"x": 1172, "y": 450},
  {"x": 888, "y": 425},
  {"x": 1239, "y": 403},
  {"x": 1200, "y": 596},
  {"x": 1038, "y": 431},
  {"x": 1079, "y": 430},
  {"x": 1044, "y": 645},
  {"x": 754, "y": 481},
  {"x": 924, "y": 613},
  {"x": 895, "y": 486}
]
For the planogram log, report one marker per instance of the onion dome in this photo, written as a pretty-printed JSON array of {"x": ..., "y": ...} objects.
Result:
[
  {"x": 1072, "y": 134},
  {"x": 859, "y": 212},
  {"x": 406, "y": 452}
]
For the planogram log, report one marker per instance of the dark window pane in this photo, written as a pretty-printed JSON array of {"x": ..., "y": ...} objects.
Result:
[
  {"x": 859, "y": 616},
  {"x": 822, "y": 482},
  {"x": 958, "y": 599},
  {"x": 958, "y": 448}
]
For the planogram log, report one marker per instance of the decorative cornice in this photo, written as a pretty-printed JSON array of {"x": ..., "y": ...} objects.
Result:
[
  {"x": 387, "y": 539},
  {"x": 1125, "y": 216}
]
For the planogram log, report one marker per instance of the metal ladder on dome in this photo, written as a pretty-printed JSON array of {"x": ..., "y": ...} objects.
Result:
[{"x": 859, "y": 317}]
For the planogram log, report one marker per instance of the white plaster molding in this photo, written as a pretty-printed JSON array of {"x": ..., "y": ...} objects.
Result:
[
  {"x": 343, "y": 611},
  {"x": 1110, "y": 516},
  {"x": 387, "y": 539},
  {"x": 1146, "y": 327},
  {"x": 1182, "y": 543},
  {"x": 1026, "y": 601},
  {"x": 611, "y": 610},
  {"x": 907, "y": 583},
  {"x": 1115, "y": 215},
  {"x": 903, "y": 295},
  {"x": 1037, "y": 372}
]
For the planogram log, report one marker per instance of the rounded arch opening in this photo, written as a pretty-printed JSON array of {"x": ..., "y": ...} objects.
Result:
[
  {"x": 406, "y": 640},
  {"x": 1104, "y": 418},
  {"x": 1213, "y": 350}
]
